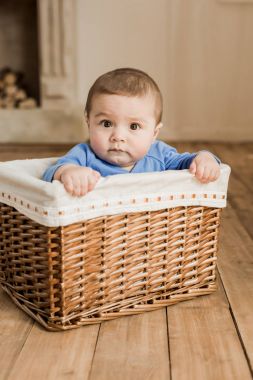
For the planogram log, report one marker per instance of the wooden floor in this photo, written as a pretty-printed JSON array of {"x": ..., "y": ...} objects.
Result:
[{"x": 208, "y": 338}]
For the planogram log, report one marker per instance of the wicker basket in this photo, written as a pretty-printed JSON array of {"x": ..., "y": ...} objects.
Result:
[{"x": 109, "y": 266}]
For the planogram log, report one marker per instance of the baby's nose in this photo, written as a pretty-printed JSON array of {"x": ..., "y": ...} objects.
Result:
[{"x": 118, "y": 135}]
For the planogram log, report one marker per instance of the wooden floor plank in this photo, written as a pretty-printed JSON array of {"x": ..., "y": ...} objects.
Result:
[
  {"x": 33, "y": 148},
  {"x": 56, "y": 355},
  {"x": 10, "y": 152},
  {"x": 236, "y": 239},
  {"x": 236, "y": 268},
  {"x": 240, "y": 157},
  {"x": 203, "y": 340},
  {"x": 236, "y": 249},
  {"x": 240, "y": 183},
  {"x": 15, "y": 327},
  {"x": 134, "y": 347}
]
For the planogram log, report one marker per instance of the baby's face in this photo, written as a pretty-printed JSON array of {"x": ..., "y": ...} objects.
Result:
[{"x": 122, "y": 128}]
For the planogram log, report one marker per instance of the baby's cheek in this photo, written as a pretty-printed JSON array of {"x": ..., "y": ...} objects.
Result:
[
  {"x": 138, "y": 152},
  {"x": 143, "y": 150},
  {"x": 96, "y": 143}
]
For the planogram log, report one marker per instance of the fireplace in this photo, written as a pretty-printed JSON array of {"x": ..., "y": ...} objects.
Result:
[
  {"x": 38, "y": 38},
  {"x": 19, "y": 42}
]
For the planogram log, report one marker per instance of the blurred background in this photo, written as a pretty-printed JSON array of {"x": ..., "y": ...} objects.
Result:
[{"x": 198, "y": 51}]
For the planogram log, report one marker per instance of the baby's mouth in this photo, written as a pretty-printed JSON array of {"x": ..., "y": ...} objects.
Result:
[{"x": 116, "y": 150}]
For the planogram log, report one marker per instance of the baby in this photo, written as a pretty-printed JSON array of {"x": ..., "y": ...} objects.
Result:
[{"x": 123, "y": 113}]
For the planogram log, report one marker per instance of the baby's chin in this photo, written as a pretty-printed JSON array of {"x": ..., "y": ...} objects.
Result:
[
  {"x": 123, "y": 164},
  {"x": 120, "y": 159}
]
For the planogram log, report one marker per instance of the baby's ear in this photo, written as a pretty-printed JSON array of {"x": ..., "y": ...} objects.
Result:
[{"x": 157, "y": 129}]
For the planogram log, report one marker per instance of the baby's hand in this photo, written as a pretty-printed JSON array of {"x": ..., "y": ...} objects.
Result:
[
  {"x": 205, "y": 167},
  {"x": 77, "y": 180}
]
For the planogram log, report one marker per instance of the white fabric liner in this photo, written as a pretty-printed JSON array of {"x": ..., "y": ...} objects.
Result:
[{"x": 50, "y": 205}]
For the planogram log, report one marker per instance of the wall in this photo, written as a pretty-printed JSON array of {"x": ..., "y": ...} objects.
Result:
[{"x": 199, "y": 52}]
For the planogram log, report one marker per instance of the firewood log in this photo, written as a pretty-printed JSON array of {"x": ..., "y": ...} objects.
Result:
[
  {"x": 11, "y": 90},
  {"x": 20, "y": 95},
  {"x": 10, "y": 78},
  {"x": 8, "y": 103},
  {"x": 28, "y": 103}
]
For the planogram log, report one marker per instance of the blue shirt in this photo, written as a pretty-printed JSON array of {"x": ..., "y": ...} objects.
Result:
[{"x": 160, "y": 157}]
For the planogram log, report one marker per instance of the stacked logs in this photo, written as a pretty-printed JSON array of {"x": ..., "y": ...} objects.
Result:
[{"x": 12, "y": 91}]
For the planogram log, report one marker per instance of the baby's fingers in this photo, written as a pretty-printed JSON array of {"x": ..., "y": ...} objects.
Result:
[
  {"x": 83, "y": 187},
  {"x": 96, "y": 175},
  {"x": 76, "y": 186},
  {"x": 193, "y": 167},
  {"x": 85, "y": 183},
  {"x": 199, "y": 172},
  {"x": 92, "y": 180},
  {"x": 209, "y": 175},
  {"x": 68, "y": 184}
]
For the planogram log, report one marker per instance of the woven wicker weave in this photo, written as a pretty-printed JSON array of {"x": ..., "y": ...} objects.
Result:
[{"x": 107, "y": 267}]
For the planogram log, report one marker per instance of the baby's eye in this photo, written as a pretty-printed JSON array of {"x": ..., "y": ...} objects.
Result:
[
  {"x": 134, "y": 126},
  {"x": 106, "y": 123}
]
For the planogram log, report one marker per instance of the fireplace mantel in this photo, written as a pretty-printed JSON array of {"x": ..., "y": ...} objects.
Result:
[{"x": 57, "y": 53}]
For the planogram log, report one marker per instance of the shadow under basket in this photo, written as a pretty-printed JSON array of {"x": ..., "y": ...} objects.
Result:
[{"x": 109, "y": 266}]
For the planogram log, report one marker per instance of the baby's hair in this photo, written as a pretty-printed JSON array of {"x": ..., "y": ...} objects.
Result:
[{"x": 127, "y": 82}]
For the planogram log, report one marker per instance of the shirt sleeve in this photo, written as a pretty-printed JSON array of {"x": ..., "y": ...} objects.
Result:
[
  {"x": 178, "y": 161},
  {"x": 77, "y": 156}
]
